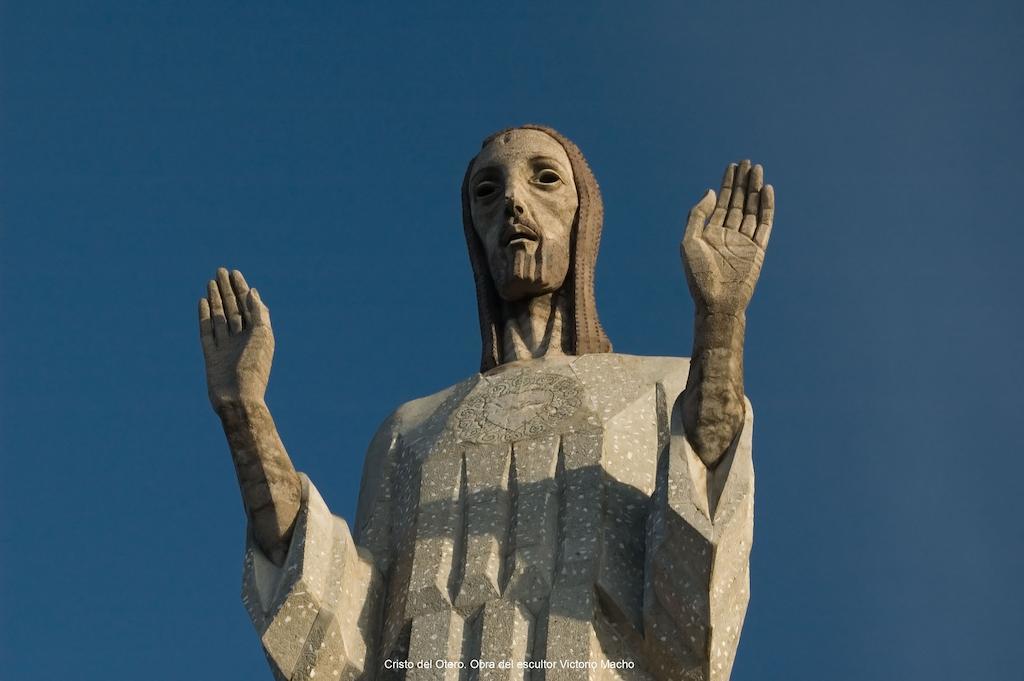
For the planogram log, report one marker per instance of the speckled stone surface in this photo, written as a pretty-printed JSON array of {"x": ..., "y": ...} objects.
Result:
[
  {"x": 315, "y": 613},
  {"x": 549, "y": 510}
]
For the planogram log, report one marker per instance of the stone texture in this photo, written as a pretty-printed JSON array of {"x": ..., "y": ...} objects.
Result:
[
  {"x": 534, "y": 545},
  {"x": 602, "y": 538},
  {"x": 317, "y": 612},
  {"x": 568, "y": 513},
  {"x": 698, "y": 547},
  {"x": 438, "y": 532},
  {"x": 486, "y": 519},
  {"x": 507, "y": 635},
  {"x": 437, "y": 637}
]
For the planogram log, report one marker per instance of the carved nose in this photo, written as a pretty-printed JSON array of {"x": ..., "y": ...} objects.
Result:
[{"x": 513, "y": 208}]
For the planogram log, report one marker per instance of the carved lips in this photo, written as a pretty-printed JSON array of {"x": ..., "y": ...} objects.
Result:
[{"x": 519, "y": 233}]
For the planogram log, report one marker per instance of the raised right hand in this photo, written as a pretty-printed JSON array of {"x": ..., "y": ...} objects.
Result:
[
  {"x": 723, "y": 250},
  {"x": 238, "y": 342}
]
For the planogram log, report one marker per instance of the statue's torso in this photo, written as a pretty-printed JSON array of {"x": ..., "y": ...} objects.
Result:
[{"x": 511, "y": 512}]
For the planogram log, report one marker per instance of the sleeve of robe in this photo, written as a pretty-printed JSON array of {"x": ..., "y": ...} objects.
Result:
[
  {"x": 316, "y": 613},
  {"x": 698, "y": 547}
]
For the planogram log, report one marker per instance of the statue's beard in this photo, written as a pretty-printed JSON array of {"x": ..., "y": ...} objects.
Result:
[{"x": 528, "y": 269}]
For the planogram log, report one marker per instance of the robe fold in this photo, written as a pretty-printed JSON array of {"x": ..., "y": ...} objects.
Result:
[{"x": 547, "y": 520}]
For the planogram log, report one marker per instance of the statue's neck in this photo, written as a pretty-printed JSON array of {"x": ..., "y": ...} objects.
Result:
[{"x": 535, "y": 327}]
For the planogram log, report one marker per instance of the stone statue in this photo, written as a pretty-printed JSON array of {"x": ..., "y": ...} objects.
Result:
[{"x": 567, "y": 512}]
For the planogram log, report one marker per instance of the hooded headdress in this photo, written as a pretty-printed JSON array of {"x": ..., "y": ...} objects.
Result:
[{"x": 585, "y": 331}]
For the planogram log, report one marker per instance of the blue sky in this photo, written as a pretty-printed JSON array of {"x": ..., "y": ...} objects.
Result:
[{"x": 319, "y": 147}]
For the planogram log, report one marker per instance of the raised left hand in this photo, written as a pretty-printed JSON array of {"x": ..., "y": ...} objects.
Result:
[{"x": 722, "y": 256}]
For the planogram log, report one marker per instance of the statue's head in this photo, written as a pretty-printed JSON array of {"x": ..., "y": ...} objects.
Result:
[
  {"x": 523, "y": 201},
  {"x": 532, "y": 214}
]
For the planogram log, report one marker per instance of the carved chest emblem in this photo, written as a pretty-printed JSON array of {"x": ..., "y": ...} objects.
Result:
[{"x": 516, "y": 406}]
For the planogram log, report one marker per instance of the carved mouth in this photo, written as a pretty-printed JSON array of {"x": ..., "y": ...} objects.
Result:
[{"x": 518, "y": 233}]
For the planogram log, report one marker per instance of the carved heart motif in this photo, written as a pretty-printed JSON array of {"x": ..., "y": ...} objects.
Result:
[
  {"x": 517, "y": 405},
  {"x": 515, "y": 410}
]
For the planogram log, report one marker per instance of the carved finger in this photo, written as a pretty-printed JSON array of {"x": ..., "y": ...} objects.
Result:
[
  {"x": 220, "y": 322},
  {"x": 698, "y": 216},
  {"x": 755, "y": 181},
  {"x": 230, "y": 303},
  {"x": 754, "y": 184},
  {"x": 718, "y": 217},
  {"x": 764, "y": 222},
  {"x": 241, "y": 289},
  {"x": 206, "y": 327},
  {"x": 734, "y": 217},
  {"x": 260, "y": 313}
]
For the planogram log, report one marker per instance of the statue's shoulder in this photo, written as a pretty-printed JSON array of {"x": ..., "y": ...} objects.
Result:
[
  {"x": 647, "y": 369},
  {"x": 414, "y": 415},
  {"x": 417, "y": 414}
]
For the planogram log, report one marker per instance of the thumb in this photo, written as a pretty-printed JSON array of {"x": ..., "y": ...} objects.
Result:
[
  {"x": 698, "y": 216},
  {"x": 260, "y": 313}
]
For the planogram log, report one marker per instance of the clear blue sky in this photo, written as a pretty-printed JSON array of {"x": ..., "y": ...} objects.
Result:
[{"x": 319, "y": 147}]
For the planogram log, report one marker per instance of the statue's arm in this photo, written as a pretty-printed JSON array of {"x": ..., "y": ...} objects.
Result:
[
  {"x": 238, "y": 346},
  {"x": 723, "y": 251},
  {"x": 318, "y": 613}
]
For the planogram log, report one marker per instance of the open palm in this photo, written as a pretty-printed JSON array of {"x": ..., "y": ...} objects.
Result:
[
  {"x": 723, "y": 255},
  {"x": 238, "y": 342}
]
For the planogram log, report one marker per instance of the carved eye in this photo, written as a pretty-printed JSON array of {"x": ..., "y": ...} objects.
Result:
[
  {"x": 548, "y": 177},
  {"x": 485, "y": 189}
]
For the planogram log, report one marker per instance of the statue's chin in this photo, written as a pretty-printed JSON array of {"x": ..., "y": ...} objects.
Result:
[
  {"x": 514, "y": 289},
  {"x": 521, "y": 274}
]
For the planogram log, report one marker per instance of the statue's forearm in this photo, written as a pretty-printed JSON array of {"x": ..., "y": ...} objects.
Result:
[
  {"x": 271, "y": 489},
  {"x": 713, "y": 403}
]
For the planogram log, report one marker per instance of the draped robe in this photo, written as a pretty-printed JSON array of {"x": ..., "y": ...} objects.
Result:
[{"x": 548, "y": 518}]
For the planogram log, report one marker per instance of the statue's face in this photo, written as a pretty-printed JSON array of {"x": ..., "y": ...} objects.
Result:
[{"x": 523, "y": 200}]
